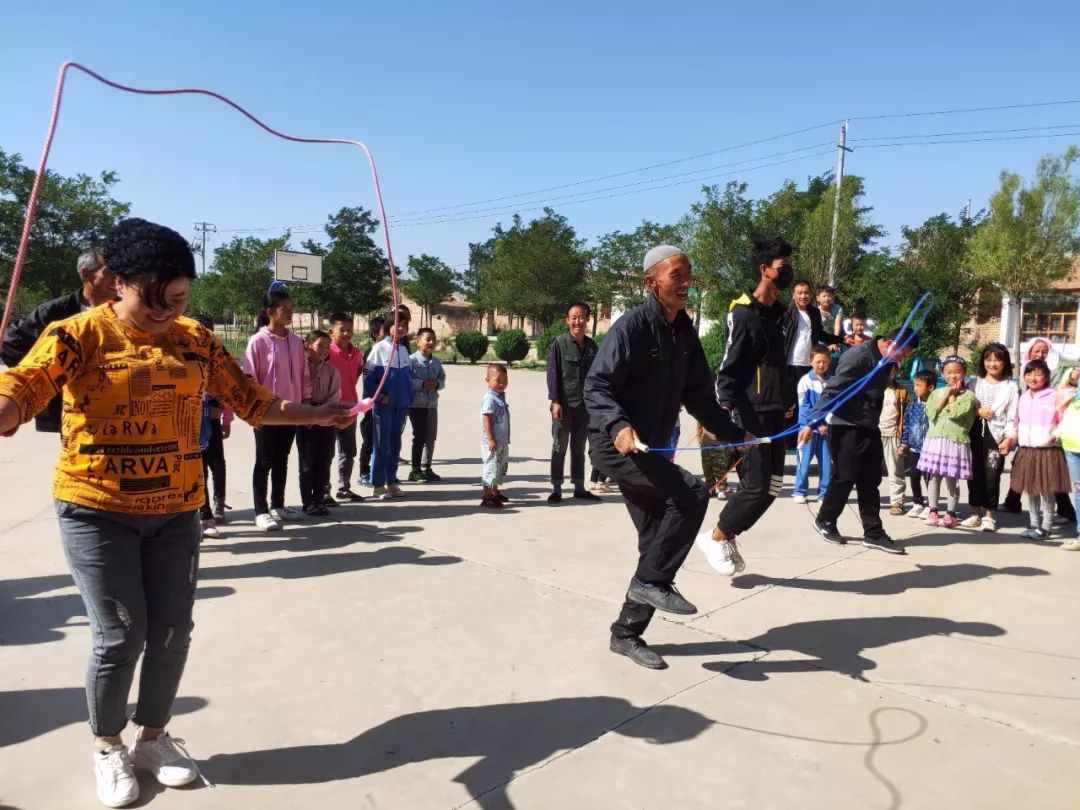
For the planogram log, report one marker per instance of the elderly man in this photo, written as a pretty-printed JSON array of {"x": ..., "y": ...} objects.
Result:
[
  {"x": 98, "y": 287},
  {"x": 649, "y": 365},
  {"x": 569, "y": 359}
]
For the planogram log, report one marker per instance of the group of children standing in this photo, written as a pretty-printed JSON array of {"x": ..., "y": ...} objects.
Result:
[
  {"x": 326, "y": 367},
  {"x": 964, "y": 431}
]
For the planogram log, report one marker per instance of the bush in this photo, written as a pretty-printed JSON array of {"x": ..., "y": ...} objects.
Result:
[
  {"x": 471, "y": 345},
  {"x": 599, "y": 338},
  {"x": 713, "y": 343},
  {"x": 511, "y": 345},
  {"x": 547, "y": 337}
]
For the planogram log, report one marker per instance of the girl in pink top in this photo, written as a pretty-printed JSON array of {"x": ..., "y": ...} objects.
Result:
[
  {"x": 1039, "y": 469},
  {"x": 276, "y": 358}
]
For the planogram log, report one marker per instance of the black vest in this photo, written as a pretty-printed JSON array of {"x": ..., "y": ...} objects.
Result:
[{"x": 576, "y": 361}]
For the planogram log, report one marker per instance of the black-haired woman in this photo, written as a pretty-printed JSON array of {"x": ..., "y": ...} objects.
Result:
[{"x": 129, "y": 483}]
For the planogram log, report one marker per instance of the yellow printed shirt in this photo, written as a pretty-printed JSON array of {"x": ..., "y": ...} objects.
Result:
[{"x": 132, "y": 408}]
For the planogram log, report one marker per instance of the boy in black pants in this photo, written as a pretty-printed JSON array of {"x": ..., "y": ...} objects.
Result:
[
  {"x": 752, "y": 384},
  {"x": 855, "y": 439}
]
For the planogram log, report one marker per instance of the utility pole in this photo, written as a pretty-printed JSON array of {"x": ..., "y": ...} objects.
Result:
[
  {"x": 841, "y": 148},
  {"x": 199, "y": 246}
]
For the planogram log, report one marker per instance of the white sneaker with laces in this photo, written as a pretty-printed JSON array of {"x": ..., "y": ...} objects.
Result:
[
  {"x": 166, "y": 759},
  {"x": 267, "y": 523},
  {"x": 209, "y": 528},
  {"x": 718, "y": 553},
  {"x": 916, "y": 511},
  {"x": 116, "y": 782},
  {"x": 989, "y": 525},
  {"x": 972, "y": 522},
  {"x": 799, "y": 499}
]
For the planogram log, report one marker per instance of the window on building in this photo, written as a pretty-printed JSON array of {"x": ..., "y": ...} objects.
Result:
[{"x": 1052, "y": 321}]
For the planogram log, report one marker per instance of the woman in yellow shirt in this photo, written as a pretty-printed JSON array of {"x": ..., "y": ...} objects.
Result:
[{"x": 129, "y": 483}]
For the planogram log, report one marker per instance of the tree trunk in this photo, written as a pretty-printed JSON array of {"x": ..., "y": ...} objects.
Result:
[{"x": 1018, "y": 332}]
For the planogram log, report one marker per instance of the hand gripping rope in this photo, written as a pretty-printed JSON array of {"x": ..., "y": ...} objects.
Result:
[
  {"x": 31, "y": 206},
  {"x": 912, "y": 325}
]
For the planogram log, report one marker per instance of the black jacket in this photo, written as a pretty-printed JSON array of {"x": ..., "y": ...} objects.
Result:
[
  {"x": 644, "y": 371},
  {"x": 864, "y": 409},
  {"x": 21, "y": 337},
  {"x": 753, "y": 373},
  {"x": 818, "y": 334}
]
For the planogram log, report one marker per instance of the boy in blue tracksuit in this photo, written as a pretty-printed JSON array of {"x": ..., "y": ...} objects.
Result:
[
  {"x": 391, "y": 409},
  {"x": 813, "y": 442}
]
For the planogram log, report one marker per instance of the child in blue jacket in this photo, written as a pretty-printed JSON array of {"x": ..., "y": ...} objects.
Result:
[
  {"x": 392, "y": 407},
  {"x": 813, "y": 434}
]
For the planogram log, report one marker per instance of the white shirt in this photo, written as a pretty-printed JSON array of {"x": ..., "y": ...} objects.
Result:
[{"x": 800, "y": 349}]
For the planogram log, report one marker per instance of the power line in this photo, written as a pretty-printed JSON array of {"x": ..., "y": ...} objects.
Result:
[
  {"x": 970, "y": 140},
  {"x": 416, "y": 220},
  {"x": 966, "y": 110},
  {"x": 967, "y": 132}
]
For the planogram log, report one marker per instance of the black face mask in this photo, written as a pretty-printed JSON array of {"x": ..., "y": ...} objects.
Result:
[{"x": 784, "y": 275}]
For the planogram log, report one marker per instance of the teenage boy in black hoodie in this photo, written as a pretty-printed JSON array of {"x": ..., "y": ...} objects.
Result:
[
  {"x": 752, "y": 384},
  {"x": 855, "y": 439}
]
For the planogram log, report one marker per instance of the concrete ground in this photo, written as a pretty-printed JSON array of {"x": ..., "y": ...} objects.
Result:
[{"x": 422, "y": 654}]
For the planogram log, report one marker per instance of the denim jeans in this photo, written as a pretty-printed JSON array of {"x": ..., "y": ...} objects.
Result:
[
  {"x": 136, "y": 575},
  {"x": 1073, "y": 460}
]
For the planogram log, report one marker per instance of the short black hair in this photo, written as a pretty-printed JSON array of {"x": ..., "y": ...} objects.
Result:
[
  {"x": 376, "y": 325},
  {"x": 423, "y": 330},
  {"x": 819, "y": 349},
  {"x": 905, "y": 337},
  {"x": 148, "y": 256},
  {"x": 928, "y": 377},
  {"x": 340, "y": 317},
  {"x": 1001, "y": 352},
  {"x": 766, "y": 251},
  {"x": 860, "y": 316},
  {"x": 272, "y": 300},
  {"x": 583, "y": 305},
  {"x": 802, "y": 282},
  {"x": 1038, "y": 365},
  {"x": 315, "y": 334},
  {"x": 497, "y": 368},
  {"x": 827, "y": 288}
]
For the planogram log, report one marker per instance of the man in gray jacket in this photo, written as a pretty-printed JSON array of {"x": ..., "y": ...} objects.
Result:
[{"x": 569, "y": 360}]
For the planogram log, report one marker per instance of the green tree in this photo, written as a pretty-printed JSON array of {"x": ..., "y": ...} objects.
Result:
[
  {"x": 511, "y": 345},
  {"x": 356, "y": 275},
  {"x": 720, "y": 252},
  {"x": 73, "y": 214},
  {"x": 432, "y": 282},
  {"x": 243, "y": 267},
  {"x": 471, "y": 345},
  {"x": 1031, "y": 234},
  {"x": 615, "y": 277}
]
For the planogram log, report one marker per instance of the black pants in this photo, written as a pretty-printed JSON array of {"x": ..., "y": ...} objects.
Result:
[
  {"x": 857, "y": 460},
  {"x": 987, "y": 464},
  {"x": 915, "y": 478},
  {"x": 761, "y": 474},
  {"x": 346, "y": 446},
  {"x": 213, "y": 461},
  {"x": 273, "y": 444},
  {"x": 667, "y": 505},
  {"x": 794, "y": 374},
  {"x": 315, "y": 446},
  {"x": 425, "y": 429},
  {"x": 571, "y": 431},
  {"x": 367, "y": 433}
]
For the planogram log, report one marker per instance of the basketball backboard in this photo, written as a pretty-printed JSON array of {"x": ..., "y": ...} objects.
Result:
[{"x": 303, "y": 268}]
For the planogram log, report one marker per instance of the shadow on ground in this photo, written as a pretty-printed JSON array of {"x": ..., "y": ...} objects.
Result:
[
  {"x": 29, "y": 713},
  {"x": 505, "y": 740},
  {"x": 924, "y": 576},
  {"x": 836, "y": 645}
]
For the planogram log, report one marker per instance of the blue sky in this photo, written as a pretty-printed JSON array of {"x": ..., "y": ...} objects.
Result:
[{"x": 475, "y": 100}]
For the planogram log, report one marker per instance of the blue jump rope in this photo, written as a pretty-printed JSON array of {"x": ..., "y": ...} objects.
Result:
[{"x": 912, "y": 325}]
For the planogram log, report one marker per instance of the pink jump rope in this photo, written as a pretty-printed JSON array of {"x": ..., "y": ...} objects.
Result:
[{"x": 31, "y": 206}]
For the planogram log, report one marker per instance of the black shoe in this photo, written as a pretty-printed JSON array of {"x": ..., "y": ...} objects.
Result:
[
  {"x": 554, "y": 497},
  {"x": 417, "y": 477},
  {"x": 348, "y": 495},
  {"x": 585, "y": 495},
  {"x": 432, "y": 476},
  {"x": 829, "y": 533},
  {"x": 637, "y": 651},
  {"x": 667, "y": 599},
  {"x": 882, "y": 542},
  {"x": 329, "y": 501}
]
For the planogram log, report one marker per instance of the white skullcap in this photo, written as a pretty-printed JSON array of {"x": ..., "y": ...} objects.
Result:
[{"x": 659, "y": 254}]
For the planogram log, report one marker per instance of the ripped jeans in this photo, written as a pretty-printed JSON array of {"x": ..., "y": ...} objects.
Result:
[{"x": 136, "y": 575}]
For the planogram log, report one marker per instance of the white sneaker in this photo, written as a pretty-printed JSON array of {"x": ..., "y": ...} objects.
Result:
[
  {"x": 1071, "y": 545},
  {"x": 718, "y": 553},
  {"x": 972, "y": 522},
  {"x": 380, "y": 494},
  {"x": 989, "y": 525},
  {"x": 209, "y": 528},
  {"x": 166, "y": 759},
  {"x": 916, "y": 511},
  {"x": 721, "y": 494},
  {"x": 813, "y": 498},
  {"x": 396, "y": 491},
  {"x": 267, "y": 523},
  {"x": 116, "y": 782},
  {"x": 799, "y": 499}
]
